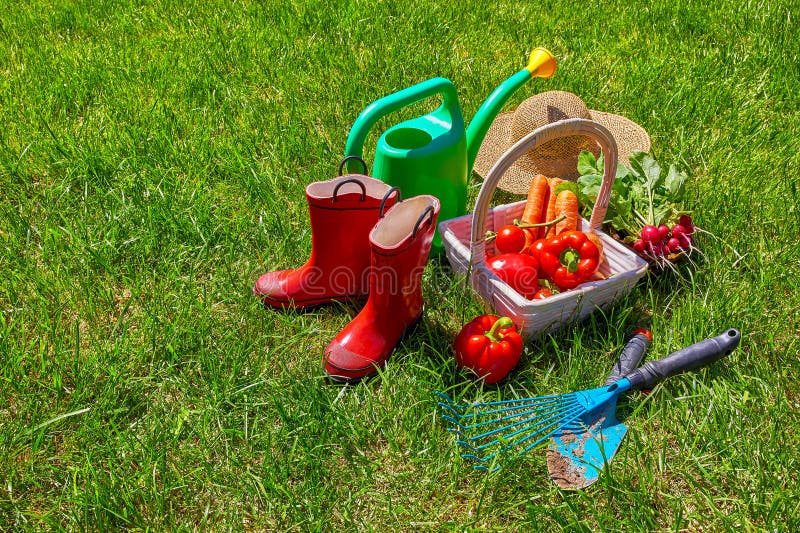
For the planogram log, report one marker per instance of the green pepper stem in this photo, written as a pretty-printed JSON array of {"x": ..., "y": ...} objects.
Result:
[
  {"x": 570, "y": 258},
  {"x": 502, "y": 323}
]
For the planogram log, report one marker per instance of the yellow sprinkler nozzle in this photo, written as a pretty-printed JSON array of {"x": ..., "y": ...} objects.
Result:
[{"x": 541, "y": 63}]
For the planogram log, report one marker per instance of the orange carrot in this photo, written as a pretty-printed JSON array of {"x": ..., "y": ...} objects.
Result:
[
  {"x": 550, "y": 214},
  {"x": 567, "y": 205},
  {"x": 535, "y": 206}
]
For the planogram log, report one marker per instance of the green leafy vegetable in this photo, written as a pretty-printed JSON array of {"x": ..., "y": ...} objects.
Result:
[{"x": 642, "y": 194}]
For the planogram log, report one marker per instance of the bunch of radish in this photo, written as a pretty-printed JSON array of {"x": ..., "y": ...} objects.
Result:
[
  {"x": 648, "y": 208},
  {"x": 662, "y": 240}
]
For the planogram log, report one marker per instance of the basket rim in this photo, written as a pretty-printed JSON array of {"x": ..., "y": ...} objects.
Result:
[{"x": 492, "y": 290}]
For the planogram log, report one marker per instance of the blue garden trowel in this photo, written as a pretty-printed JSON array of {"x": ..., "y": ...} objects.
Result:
[{"x": 580, "y": 450}]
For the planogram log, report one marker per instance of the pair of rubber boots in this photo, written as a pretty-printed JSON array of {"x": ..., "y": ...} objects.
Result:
[{"x": 365, "y": 241}]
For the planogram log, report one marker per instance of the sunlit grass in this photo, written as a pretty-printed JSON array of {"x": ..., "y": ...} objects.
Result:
[{"x": 152, "y": 165}]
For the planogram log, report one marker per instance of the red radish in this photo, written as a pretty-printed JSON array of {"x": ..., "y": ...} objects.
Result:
[
  {"x": 674, "y": 245},
  {"x": 663, "y": 231},
  {"x": 678, "y": 230},
  {"x": 686, "y": 222},
  {"x": 650, "y": 234},
  {"x": 655, "y": 249},
  {"x": 639, "y": 246}
]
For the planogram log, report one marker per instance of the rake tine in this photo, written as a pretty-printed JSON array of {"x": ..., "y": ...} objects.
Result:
[
  {"x": 449, "y": 403},
  {"x": 540, "y": 411},
  {"x": 484, "y": 468},
  {"x": 543, "y": 432},
  {"x": 555, "y": 427},
  {"x": 558, "y": 426},
  {"x": 528, "y": 432},
  {"x": 454, "y": 422},
  {"x": 447, "y": 400},
  {"x": 527, "y": 403},
  {"x": 450, "y": 409},
  {"x": 457, "y": 415},
  {"x": 513, "y": 402},
  {"x": 531, "y": 422},
  {"x": 528, "y": 425},
  {"x": 454, "y": 418},
  {"x": 524, "y": 420}
]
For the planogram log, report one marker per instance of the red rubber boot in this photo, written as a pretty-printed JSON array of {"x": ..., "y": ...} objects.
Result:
[
  {"x": 400, "y": 242},
  {"x": 342, "y": 212}
]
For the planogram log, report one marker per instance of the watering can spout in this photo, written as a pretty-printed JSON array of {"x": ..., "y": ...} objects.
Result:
[
  {"x": 541, "y": 64},
  {"x": 434, "y": 153}
]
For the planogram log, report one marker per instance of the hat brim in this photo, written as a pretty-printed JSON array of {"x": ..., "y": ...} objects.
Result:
[{"x": 628, "y": 135}]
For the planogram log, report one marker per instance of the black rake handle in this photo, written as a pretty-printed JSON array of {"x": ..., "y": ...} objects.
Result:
[
  {"x": 631, "y": 356},
  {"x": 689, "y": 358}
]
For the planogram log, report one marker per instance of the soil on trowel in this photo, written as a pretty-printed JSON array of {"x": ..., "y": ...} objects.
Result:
[{"x": 564, "y": 472}]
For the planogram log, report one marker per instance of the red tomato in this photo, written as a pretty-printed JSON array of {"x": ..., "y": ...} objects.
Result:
[
  {"x": 511, "y": 239},
  {"x": 536, "y": 248},
  {"x": 542, "y": 293}
]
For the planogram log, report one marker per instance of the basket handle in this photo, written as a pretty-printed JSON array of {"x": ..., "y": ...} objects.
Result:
[{"x": 539, "y": 136}]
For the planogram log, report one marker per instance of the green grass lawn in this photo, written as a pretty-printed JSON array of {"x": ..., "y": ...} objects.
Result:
[{"x": 153, "y": 158}]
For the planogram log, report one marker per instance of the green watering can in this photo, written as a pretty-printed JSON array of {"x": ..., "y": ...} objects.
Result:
[{"x": 434, "y": 154}]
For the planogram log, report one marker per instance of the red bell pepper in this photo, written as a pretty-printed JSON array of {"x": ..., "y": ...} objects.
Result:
[
  {"x": 569, "y": 259},
  {"x": 519, "y": 271},
  {"x": 489, "y": 346}
]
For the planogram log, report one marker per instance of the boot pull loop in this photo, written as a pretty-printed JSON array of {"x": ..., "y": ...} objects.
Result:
[
  {"x": 353, "y": 158},
  {"x": 428, "y": 211},
  {"x": 350, "y": 180},
  {"x": 386, "y": 198}
]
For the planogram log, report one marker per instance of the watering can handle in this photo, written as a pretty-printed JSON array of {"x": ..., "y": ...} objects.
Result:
[{"x": 388, "y": 104}]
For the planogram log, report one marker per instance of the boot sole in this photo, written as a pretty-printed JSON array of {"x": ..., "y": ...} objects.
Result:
[{"x": 378, "y": 365}]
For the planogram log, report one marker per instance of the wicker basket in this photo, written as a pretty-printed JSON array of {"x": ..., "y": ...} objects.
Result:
[{"x": 465, "y": 245}]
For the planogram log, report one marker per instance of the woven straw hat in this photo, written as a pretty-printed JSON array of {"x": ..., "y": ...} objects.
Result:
[{"x": 559, "y": 157}]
